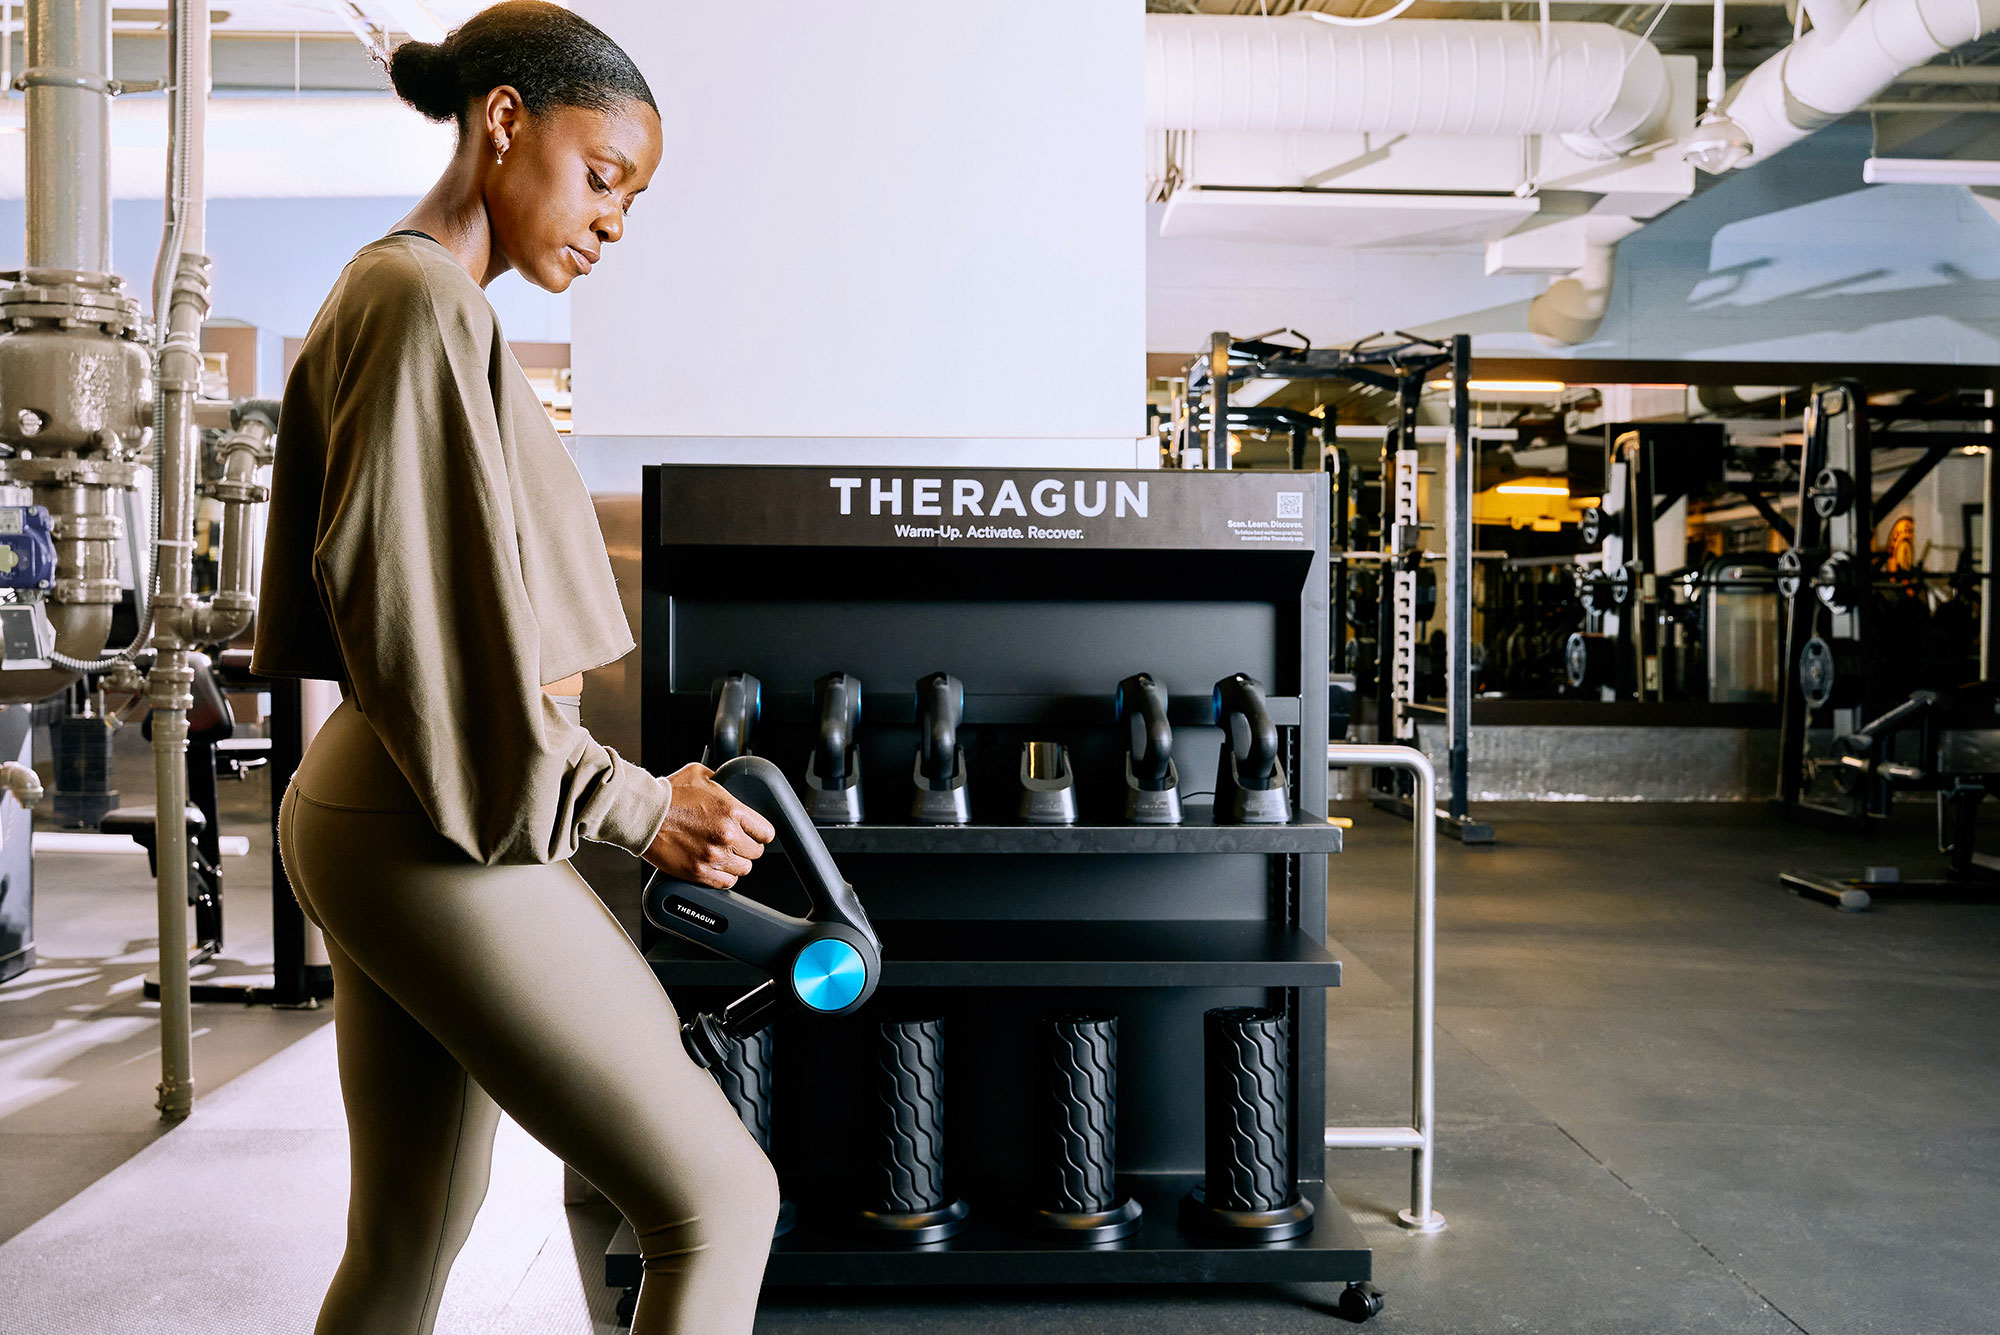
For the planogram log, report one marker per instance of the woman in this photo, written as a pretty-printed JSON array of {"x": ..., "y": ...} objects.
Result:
[{"x": 433, "y": 548}]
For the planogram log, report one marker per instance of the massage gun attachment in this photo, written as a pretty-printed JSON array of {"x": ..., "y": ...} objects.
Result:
[
  {"x": 1250, "y": 784},
  {"x": 939, "y": 775},
  {"x": 1048, "y": 786},
  {"x": 1152, "y": 781},
  {"x": 739, "y": 701},
  {"x": 827, "y": 962},
  {"x": 833, "y": 774}
]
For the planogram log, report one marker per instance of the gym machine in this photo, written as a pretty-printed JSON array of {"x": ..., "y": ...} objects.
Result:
[
  {"x": 1380, "y": 570},
  {"x": 1654, "y": 627},
  {"x": 1887, "y": 685}
]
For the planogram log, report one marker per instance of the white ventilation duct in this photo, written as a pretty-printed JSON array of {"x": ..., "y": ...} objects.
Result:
[
  {"x": 1605, "y": 90},
  {"x": 1834, "y": 70},
  {"x": 1573, "y": 307}
]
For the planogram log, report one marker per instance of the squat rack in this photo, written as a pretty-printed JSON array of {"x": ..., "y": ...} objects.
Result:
[{"x": 1398, "y": 364}]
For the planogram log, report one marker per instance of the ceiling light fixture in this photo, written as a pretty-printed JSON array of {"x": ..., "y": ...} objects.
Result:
[
  {"x": 1443, "y": 386},
  {"x": 1551, "y": 488},
  {"x": 1930, "y": 171},
  {"x": 1717, "y": 143}
]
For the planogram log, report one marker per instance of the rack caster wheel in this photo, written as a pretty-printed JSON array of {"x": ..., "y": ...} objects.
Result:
[
  {"x": 1358, "y": 1302},
  {"x": 628, "y": 1301}
]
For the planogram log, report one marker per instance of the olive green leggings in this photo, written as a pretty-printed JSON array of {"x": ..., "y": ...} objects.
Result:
[{"x": 461, "y": 990}]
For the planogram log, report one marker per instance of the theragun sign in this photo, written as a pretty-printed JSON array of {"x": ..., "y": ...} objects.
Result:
[{"x": 1049, "y": 497}]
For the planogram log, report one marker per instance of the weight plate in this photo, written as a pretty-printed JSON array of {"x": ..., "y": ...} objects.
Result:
[{"x": 1832, "y": 492}]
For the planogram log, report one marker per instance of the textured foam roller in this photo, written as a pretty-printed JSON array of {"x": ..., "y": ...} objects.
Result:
[
  {"x": 909, "y": 1159},
  {"x": 1076, "y": 1114},
  {"x": 745, "y": 1078},
  {"x": 1248, "y": 1090}
]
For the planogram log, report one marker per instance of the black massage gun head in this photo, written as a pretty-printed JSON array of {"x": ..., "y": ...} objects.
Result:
[
  {"x": 940, "y": 707},
  {"x": 837, "y": 706},
  {"x": 739, "y": 702},
  {"x": 1142, "y": 706},
  {"x": 1246, "y": 722}
]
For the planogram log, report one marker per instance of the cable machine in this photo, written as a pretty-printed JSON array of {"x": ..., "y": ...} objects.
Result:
[{"x": 1886, "y": 685}]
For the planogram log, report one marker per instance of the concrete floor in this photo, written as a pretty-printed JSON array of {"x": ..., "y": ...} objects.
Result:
[{"x": 1672, "y": 1097}]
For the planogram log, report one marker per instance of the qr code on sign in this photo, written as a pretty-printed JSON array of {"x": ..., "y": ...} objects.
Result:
[{"x": 1291, "y": 505}]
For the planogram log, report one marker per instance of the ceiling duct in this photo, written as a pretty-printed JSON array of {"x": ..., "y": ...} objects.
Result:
[
  {"x": 1834, "y": 70},
  {"x": 1596, "y": 85}
]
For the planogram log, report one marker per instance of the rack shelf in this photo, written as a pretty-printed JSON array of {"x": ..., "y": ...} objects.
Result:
[
  {"x": 1197, "y": 833},
  {"x": 899, "y": 707},
  {"x": 995, "y": 1247},
  {"x": 989, "y": 953}
]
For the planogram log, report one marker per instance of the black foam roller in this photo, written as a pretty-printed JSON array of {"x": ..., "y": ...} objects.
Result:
[
  {"x": 745, "y": 1078},
  {"x": 1076, "y": 1116},
  {"x": 1248, "y": 1092},
  {"x": 909, "y": 1159}
]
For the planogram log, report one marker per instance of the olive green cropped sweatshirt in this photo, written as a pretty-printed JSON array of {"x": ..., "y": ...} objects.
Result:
[{"x": 432, "y": 546}]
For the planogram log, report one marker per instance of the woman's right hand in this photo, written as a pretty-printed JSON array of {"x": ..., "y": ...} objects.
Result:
[{"x": 709, "y": 837}]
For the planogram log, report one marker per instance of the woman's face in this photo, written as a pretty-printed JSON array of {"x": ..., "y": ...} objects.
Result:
[{"x": 561, "y": 194}]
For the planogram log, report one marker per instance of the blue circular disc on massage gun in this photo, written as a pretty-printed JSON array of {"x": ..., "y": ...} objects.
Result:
[{"x": 828, "y": 975}]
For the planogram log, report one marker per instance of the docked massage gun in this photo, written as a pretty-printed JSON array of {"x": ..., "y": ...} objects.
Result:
[
  {"x": 739, "y": 702},
  {"x": 833, "y": 774},
  {"x": 827, "y": 962},
  {"x": 1250, "y": 784},
  {"x": 939, "y": 774},
  {"x": 1152, "y": 781}
]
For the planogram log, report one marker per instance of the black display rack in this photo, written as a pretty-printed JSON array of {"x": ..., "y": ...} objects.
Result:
[{"x": 1040, "y": 609}]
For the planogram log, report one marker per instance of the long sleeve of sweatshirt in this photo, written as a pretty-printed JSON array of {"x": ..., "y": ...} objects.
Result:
[{"x": 441, "y": 545}]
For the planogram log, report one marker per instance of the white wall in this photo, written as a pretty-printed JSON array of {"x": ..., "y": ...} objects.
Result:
[{"x": 900, "y": 218}]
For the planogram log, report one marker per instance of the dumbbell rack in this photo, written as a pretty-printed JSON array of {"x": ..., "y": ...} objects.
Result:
[{"x": 993, "y": 923}]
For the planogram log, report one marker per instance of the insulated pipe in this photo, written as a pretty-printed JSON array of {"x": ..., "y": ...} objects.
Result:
[
  {"x": 180, "y": 290},
  {"x": 1832, "y": 71},
  {"x": 1414, "y": 76},
  {"x": 68, "y": 83},
  {"x": 1573, "y": 307}
]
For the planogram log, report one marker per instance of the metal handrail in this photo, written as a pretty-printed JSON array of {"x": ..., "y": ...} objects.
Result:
[{"x": 1420, "y": 1137}]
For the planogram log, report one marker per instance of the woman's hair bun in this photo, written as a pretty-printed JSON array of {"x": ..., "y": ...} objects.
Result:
[{"x": 426, "y": 76}]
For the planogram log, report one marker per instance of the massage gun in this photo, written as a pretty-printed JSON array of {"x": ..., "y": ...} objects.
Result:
[
  {"x": 833, "y": 774},
  {"x": 1250, "y": 784},
  {"x": 827, "y": 962},
  {"x": 1152, "y": 781},
  {"x": 739, "y": 702},
  {"x": 939, "y": 773}
]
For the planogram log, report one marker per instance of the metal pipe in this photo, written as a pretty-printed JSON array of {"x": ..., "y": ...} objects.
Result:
[
  {"x": 1218, "y": 400},
  {"x": 181, "y": 286},
  {"x": 1420, "y": 1136},
  {"x": 68, "y": 80}
]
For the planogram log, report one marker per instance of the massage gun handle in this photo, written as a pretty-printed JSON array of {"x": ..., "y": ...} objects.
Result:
[
  {"x": 739, "y": 700},
  {"x": 746, "y": 929},
  {"x": 940, "y": 704},
  {"x": 1142, "y": 703},
  {"x": 837, "y": 701},
  {"x": 1246, "y": 722}
]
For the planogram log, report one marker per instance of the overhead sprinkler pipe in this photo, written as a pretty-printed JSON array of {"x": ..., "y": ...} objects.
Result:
[{"x": 180, "y": 295}]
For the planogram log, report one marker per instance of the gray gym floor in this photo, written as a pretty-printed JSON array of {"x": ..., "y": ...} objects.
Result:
[{"x": 1673, "y": 1098}]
